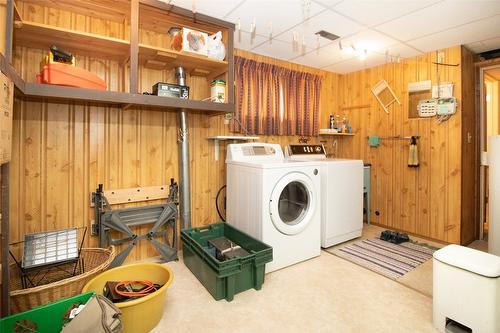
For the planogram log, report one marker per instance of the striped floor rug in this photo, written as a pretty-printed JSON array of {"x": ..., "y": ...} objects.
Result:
[{"x": 390, "y": 260}]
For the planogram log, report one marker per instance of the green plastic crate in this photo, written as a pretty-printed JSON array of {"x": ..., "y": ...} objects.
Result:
[
  {"x": 224, "y": 279},
  {"x": 42, "y": 319}
]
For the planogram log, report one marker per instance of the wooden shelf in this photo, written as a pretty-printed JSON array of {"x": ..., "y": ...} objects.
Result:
[
  {"x": 337, "y": 134},
  {"x": 232, "y": 137},
  {"x": 42, "y": 36},
  {"x": 112, "y": 97},
  {"x": 161, "y": 58}
]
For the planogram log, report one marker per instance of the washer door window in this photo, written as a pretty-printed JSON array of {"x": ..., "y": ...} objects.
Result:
[{"x": 292, "y": 203}]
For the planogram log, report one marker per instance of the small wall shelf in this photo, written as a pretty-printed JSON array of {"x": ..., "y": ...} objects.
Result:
[
  {"x": 327, "y": 132},
  {"x": 234, "y": 138}
]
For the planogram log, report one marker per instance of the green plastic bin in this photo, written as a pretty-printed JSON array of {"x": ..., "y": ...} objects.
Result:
[
  {"x": 42, "y": 319},
  {"x": 224, "y": 279}
]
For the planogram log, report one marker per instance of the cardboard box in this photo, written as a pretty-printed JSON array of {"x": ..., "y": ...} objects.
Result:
[
  {"x": 194, "y": 41},
  {"x": 6, "y": 110}
]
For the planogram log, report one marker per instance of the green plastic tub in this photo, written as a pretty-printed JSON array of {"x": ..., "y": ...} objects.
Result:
[
  {"x": 42, "y": 319},
  {"x": 224, "y": 279}
]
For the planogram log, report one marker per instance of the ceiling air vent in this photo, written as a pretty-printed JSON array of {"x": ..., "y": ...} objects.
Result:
[{"x": 327, "y": 35}]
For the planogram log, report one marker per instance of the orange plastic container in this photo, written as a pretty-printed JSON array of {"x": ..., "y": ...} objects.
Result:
[{"x": 67, "y": 75}]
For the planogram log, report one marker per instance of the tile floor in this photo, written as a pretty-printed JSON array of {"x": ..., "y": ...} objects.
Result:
[{"x": 324, "y": 294}]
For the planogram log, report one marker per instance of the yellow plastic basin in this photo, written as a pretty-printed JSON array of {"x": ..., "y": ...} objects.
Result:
[{"x": 140, "y": 315}]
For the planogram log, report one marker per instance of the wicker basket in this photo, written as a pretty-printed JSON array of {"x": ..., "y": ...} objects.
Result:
[{"x": 95, "y": 260}]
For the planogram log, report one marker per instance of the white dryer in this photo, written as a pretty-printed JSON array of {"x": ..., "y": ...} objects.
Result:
[
  {"x": 341, "y": 193},
  {"x": 274, "y": 200}
]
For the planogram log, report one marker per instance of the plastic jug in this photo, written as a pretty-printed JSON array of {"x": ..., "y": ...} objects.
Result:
[{"x": 216, "y": 48}]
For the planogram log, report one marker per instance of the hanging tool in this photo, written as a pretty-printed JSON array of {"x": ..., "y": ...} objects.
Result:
[{"x": 413, "y": 153}]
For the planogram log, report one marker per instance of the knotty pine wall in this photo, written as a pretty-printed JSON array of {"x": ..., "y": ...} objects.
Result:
[
  {"x": 63, "y": 150},
  {"x": 425, "y": 201}
]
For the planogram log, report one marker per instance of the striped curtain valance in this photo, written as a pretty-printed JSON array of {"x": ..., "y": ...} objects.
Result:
[{"x": 273, "y": 100}]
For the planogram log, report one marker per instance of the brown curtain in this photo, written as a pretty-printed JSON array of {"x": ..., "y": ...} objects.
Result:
[{"x": 273, "y": 100}]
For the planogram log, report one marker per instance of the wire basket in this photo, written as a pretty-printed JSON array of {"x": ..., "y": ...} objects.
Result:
[{"x": 95, "y": 261}]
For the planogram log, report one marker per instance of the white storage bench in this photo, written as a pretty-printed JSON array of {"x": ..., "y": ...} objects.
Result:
[{"x": 466, "y": 289}]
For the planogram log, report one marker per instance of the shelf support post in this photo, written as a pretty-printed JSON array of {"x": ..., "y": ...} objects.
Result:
[
  {"x": 134, "y": 46},
  {"x": 184, "y": 188},
  {"x": 9, "y": 20},
  {"x": 5, "y": 241}
]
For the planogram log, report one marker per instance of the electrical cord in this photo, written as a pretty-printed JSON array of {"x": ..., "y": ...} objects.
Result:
[
  {"x": 150, "y": 287},
  {"x": 217, "y": 203}
]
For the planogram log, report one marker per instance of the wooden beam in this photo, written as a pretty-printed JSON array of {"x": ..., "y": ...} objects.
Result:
[
  {"x": 9, "y": 22},
  {"x": 487, "y": 63},
  {"x": 5, "y": 174},
  {"x": 134, "y": 46},
  {"x": 11, "y": 73}
]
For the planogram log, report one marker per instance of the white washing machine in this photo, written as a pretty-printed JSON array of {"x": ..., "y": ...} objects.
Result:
[
  {"x": 341, "y": 193},
  {"x": 275, "y": 201}
]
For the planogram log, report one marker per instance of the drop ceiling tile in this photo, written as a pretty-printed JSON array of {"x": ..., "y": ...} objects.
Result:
[
  {"x": 328, "y": 3},
  {"x": 326, "y": 20},
  {"x": 280, "y": 14},
  {"x": 355, "y": 64},
  {"x": 323, "y": 57},
  {"x": 369, "y": 40},
  {"x": 371, "y": 13},
  {"x": 485, "y": 45},
  {"x": 277, "y": 49},
  {"x": 465, "y": 34},
  {"x": 441, "y": 16},
  {"x": 243, "y": 41},
  {"x": 401, "y": 50},
  {"x": 215, "y": 8}
]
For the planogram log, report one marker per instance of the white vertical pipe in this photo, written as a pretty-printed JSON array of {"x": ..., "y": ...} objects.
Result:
[{"x": 494, "y": 195}]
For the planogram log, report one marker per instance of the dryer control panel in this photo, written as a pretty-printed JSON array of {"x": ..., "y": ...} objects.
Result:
[
  {"x": 254, "y": 151},
  {"x": 316, "y": 151}
]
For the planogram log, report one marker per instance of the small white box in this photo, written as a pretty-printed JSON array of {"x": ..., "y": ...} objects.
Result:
[{"x": 194, "y": 41}]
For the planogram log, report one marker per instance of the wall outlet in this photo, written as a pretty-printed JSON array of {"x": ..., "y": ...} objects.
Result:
[{"x": 227, "y": 118}]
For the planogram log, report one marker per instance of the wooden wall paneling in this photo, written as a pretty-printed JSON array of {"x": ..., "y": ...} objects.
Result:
[
  {"x": 454, "y": 149},
  {"x": 423, "y": 221},
  {"x": 409, "y": 191},
  {"x": 420, "y": 200},
  {"x": 67, "y": 149}
]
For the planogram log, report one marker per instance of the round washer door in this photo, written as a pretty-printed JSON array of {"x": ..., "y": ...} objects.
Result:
[{"x": 292, "y": 203}]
